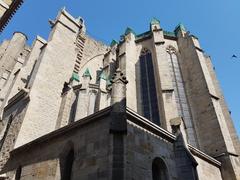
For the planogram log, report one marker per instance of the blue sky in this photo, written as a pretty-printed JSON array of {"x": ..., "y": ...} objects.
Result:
[{"x": 215, "y": 22}]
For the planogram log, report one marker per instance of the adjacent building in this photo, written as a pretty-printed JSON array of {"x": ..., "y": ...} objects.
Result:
[
  {"x": 146, "y": 107},
  {"x": 7, "y": 9}
]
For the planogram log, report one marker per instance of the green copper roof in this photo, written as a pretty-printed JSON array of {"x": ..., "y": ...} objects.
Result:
[
  {"x": 168, "y": 33},
  {"x": 113, "y": 43},
  {"x": 103, "y": 76},
  {"x": 155, "y": 21},
  {"x": 109, "y": 81},
  {"x": 87, "y": 73},
  {"x": 129, "y": 30},
  {"x": 143, "y": 34},
  {"x": 181, "y": 27},
  {"x": 75, "y": 77}
]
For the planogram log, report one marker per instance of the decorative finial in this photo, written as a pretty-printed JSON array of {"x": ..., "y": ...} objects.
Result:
[
  {"x": 128, "y": 31},
  {"x": 175, "y": 124},
  {"x": 180, "y": 27},
  {"x": 75, "y": 77},
  {"x": 119, "y": 76},
  {"x": 103, "y": 76},
  {"x": 155, "y": 21},
  {"x": 113, "y": 43},
  {"x": 87, "y": 73}
]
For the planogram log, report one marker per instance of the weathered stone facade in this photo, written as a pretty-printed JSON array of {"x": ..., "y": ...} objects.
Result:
[{"x": 146, "y": 107}]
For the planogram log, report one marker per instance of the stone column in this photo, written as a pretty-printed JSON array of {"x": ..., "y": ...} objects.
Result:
[
  {"x": 128, "y": 59},
  {"x": 67, "y": 109},
  {"x": 82, "y": 101},
  {"x": 118, "y": 102},
  {"x": 118, "y": 126},
  {"x": 101, "y": 101},
  {"x": 13, "y": 51}
]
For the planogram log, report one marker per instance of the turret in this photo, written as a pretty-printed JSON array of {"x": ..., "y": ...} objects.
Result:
[
  {"x": 86, "y": 78},
  {"x": 127, "y": 60},
  {"x": 180, "y": 30},
  {"x": 155, "y": 24},
  {"x": 74, "y": 79}
]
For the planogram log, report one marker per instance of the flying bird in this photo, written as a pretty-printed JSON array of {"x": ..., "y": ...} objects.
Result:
[{"x": 234, "y": 56}]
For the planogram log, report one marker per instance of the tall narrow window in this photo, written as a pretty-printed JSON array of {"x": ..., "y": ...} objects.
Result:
[
  {"x": 68, "y": 163},
  {"x": 148, "y": 87},
  {"x": 180, "y": 95},
  {"x": 159, "y": 170},
  {"x": 18, "y": 173},
  {"x": 92, "y": 101}
]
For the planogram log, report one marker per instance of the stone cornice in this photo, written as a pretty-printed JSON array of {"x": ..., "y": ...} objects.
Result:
[
  {"x": 204, "y": 156},
  {"x": 199, "y": 49},
  {"x": 40, "y": 39},
  {"x": 169, "y": 90},
  {"x": 3, "y": 4},
  {"x": 20, "y": 95},
  {"x": 146, "y": 124},
  {"x": 170, "y": 37},
  {"x": 140, "y": 39}
]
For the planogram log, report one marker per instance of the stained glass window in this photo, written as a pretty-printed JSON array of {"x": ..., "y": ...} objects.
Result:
[{"x": 148, "y": 88}]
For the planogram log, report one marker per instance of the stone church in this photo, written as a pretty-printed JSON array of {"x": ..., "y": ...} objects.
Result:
[{"x": 146, "y": 107}]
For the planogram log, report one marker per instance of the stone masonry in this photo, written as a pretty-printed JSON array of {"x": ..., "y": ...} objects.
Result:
[{"x": 148, "y": 106}]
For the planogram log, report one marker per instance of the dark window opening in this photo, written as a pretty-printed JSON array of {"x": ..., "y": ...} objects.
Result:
[
  {"x": 18, "y": 173},
  {"x": 68, "y": 165},
  {"x": 148, "y": 88},
  {"x": 159, "y": 170}
]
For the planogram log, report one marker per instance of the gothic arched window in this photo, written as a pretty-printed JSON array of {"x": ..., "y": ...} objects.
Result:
[
  {"x": 148, "y": 87},
  {"x": 159, "y": 170},
  {"x": 92, "y": 101},
  {"x": 67, "y": 165},
  {"x": 176, "y": 78},
  {"x": 180, "y": 95},
  {"x": 18, "y": 173}
]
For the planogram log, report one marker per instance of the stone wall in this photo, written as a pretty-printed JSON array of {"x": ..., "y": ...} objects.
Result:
[
  {"x": 207, "y": 170},
  {"x": 204, "y": 116},
  {"x": 142, "y": 147},
  {"x": 225, "y": 110},
  {"x": 56, "y": 63},
  {"x": 47, "y": 170},
  {"x": 12, "y": 120},
  {"x": 90, "y": 140},
  {"x": 24, "y": 75},
  {"x": 93, "y": 55}
]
